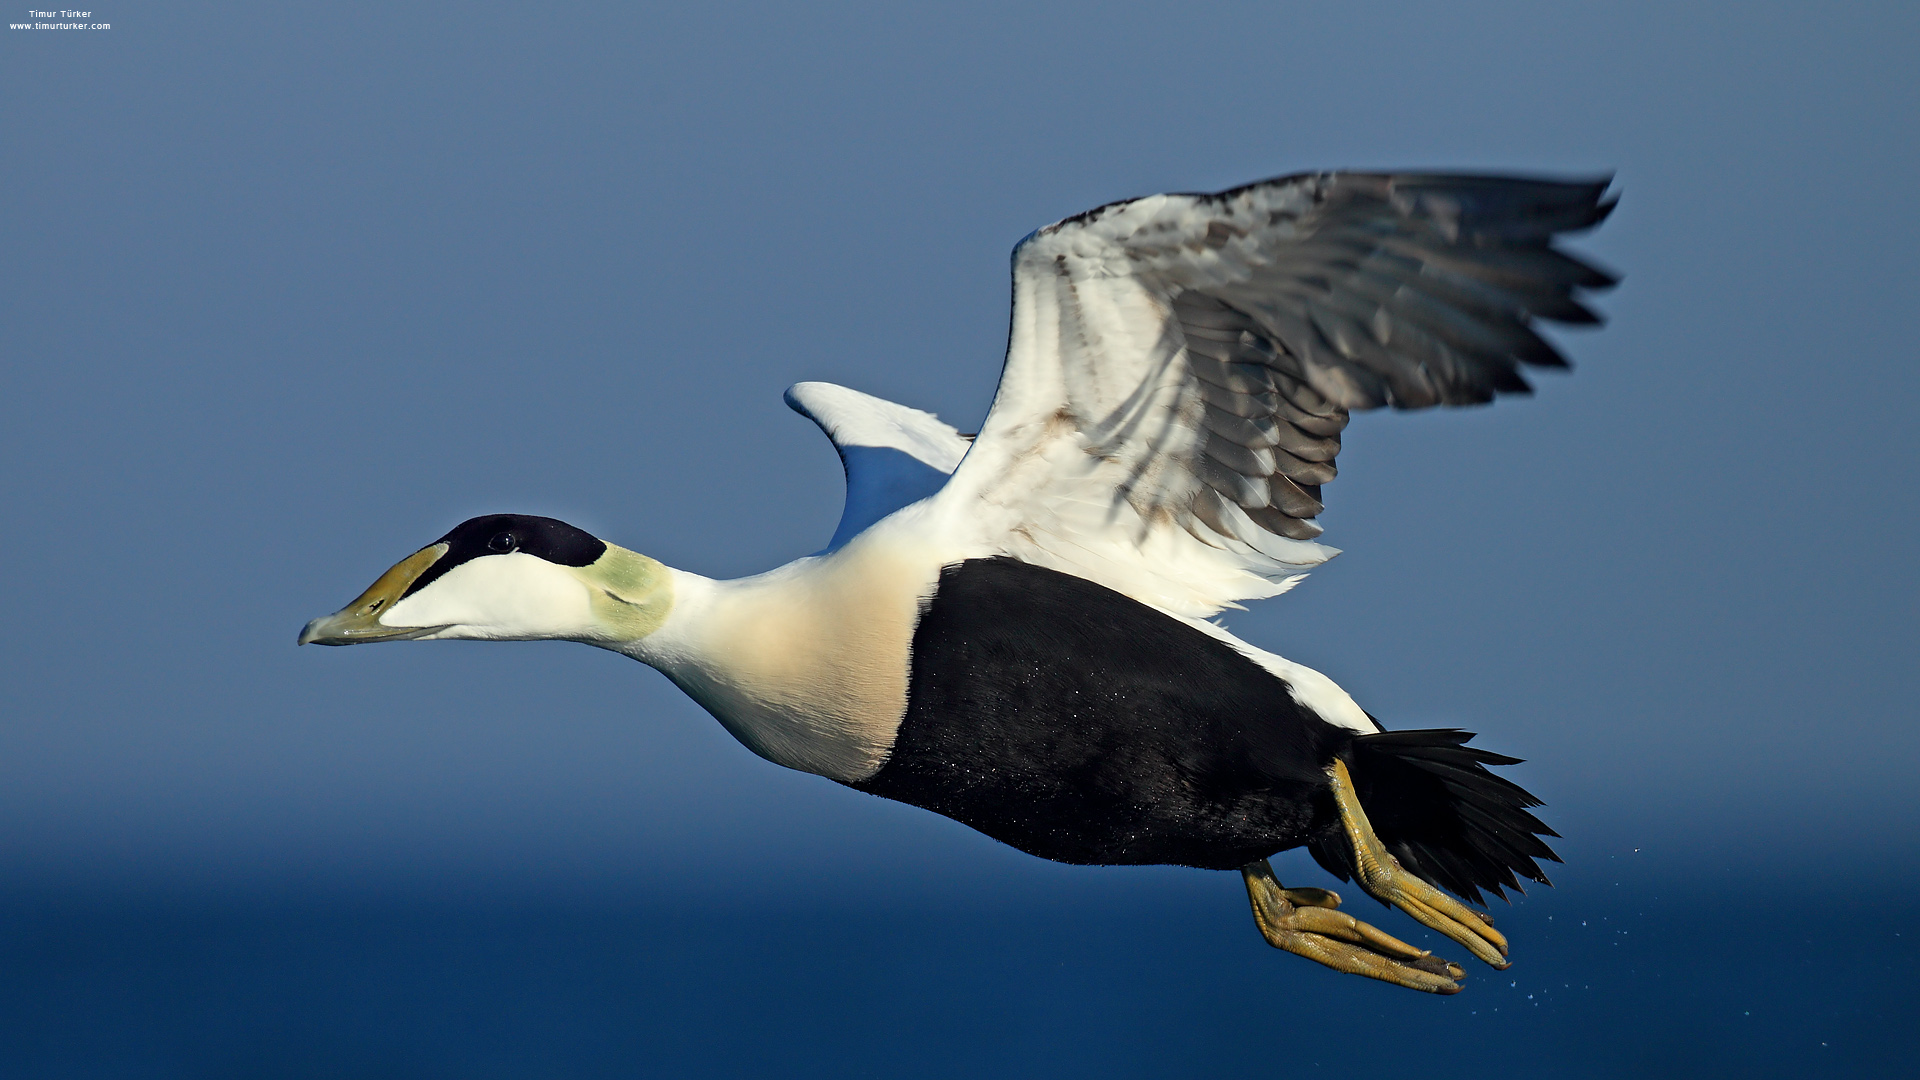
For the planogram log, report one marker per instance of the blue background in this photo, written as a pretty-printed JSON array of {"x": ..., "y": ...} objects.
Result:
[{"x": 288, "y": 290}]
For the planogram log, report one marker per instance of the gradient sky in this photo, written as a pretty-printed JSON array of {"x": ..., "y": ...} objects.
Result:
[{"x": 289, "y": 290}]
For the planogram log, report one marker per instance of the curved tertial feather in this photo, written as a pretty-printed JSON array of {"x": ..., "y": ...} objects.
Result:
[{"x": 1180, "y": 367}]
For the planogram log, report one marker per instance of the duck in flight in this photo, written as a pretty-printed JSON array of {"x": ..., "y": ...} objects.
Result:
[{"x": 1016, "y": 629}]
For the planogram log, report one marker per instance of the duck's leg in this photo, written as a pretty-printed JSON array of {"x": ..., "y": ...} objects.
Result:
[
  {"x": 1382, "y": 875},
  {"x": 1304, "y": 922}
]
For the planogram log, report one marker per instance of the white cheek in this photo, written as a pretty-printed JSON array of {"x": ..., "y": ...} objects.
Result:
[{"x": 504, "y": 596}]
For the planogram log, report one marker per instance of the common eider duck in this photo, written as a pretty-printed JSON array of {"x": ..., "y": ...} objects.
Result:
[{"x": 1017, "y": 629}]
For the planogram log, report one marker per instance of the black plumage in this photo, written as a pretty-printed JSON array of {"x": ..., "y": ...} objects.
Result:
[
  {"x": 1079, "y": 725},
  {"x": 1486, "y": 834}
]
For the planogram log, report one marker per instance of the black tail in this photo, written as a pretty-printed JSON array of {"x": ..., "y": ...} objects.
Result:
[{"x": 1440, "y": 812}]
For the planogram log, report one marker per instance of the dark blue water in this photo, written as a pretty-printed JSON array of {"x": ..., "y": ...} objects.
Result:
[{"x": 1151, "y": 975}]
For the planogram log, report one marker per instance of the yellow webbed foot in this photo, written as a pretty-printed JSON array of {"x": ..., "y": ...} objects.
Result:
[
  {"x": 1382, "y": 875},
  {"x": 1304, "y": 922}
]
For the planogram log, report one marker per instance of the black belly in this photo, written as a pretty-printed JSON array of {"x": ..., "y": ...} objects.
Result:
[{"x": 1078, "y": 725}]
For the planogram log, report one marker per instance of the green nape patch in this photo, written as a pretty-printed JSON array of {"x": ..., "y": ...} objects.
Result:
[{"x": 631, "y": 593}]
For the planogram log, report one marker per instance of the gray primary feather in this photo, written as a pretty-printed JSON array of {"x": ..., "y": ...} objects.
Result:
[{"x": 1302, "y": 298}]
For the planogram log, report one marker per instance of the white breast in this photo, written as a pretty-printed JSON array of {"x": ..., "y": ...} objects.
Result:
[{"x": 806, "y": 665}]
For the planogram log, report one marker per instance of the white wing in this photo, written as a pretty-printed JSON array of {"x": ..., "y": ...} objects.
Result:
[
  {"x": 894, "y": 456},
  {"x": 1180, "y": 366}
]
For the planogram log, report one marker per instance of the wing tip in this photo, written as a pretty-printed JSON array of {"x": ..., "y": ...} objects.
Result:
[{"x": 795, "y": 396}]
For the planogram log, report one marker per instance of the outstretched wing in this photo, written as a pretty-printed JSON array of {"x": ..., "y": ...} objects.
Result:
[
  {"x": 893, "y": 455},
  {"x": 1180, "y": 367}
]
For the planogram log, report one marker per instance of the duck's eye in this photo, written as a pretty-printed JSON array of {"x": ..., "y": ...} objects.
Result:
[{"x": 502, "y": 542}]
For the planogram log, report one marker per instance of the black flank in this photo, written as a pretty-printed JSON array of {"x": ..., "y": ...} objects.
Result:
[{"x": 1076, "y": 724}]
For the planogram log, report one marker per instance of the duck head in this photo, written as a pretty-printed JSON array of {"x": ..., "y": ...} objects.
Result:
[{"x": 508, "y": 577}]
